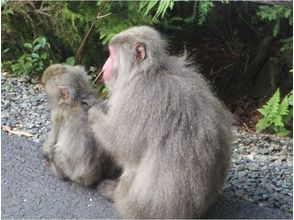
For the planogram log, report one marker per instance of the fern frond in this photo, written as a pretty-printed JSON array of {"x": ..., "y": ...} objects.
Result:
[
  {"x": 284, "y": 107},
  {"x": 275, "y": 113},
  {"x": 150, "y": 5},
  {"x": 278, "y": 121},
  {"x": 290, "y": 98},
  {"x": 162, "y": 7},
  {"x": 262, "y": 124},
  {"x": 204, "y": 8},
  {"x": 263, "y": 111},
  {"x": 272, "y": 106},
  {"x": 283, "y": 132}
]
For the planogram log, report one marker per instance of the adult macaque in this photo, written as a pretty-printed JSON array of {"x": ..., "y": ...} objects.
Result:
[
  {"x": 165, "y": 127},
  {"x": 71, "y": 150}
]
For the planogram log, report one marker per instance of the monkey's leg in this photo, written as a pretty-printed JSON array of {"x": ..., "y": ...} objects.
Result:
[{"x": 107, "y": 188}]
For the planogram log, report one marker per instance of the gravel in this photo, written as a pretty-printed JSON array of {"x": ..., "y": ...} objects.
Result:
[{"x": 262, "y": 165}]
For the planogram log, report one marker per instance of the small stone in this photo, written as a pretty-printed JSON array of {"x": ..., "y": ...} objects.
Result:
[
  {"x": 276, "y": 147},
  {"x": 5, "y": 75},
  {"x": 253, "y": 167},
  {"x": 283, "y": 157},
  {"x": 23, "y": 105},
  {"x": 241, "y": 167},
  {"x": 263, "y": 203},
  {"x": 250, "y": 157},
  {"x": 239, "y": 192},
  {"x": 242, "y": 174},
  {"x": 30, "y": 126},
  {"x": 25, "y": 96},
  {"x": 273, "y": 159},
  {"x": 36, "y": 140}
]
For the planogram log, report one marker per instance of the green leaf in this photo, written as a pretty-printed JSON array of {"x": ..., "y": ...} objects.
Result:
[
  {"x": 276, "y": 28},
  {"x": 284, "y": 107},
  {"x": 290, "y": 99},
  {"x": 162, "y": 7},
  {"x": 36, "y": 48},
  {"x": 35, "y": 55},
  {"x": 6, "y": 50},
  {"x": 70, "y": 61},
  {"x": 28, "y": 45},
  {"x": 150, "y": 5},
  {"x": 261, "y": 125},
  {"x": 44, "y": 56},
  {"x": 283, "y": 132},
  {"x": 278, "y": 121},
  {"x": 272, "y": 106},
  {"x": 262, "y": 111}
]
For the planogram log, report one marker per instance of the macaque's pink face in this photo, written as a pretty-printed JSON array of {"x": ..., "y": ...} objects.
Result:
[{"x": 108, "y": 65}]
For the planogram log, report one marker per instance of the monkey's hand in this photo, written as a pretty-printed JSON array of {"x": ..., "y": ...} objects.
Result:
[
  {"x": 95, "y": 115},
  {"x": 99, "y": 123}
]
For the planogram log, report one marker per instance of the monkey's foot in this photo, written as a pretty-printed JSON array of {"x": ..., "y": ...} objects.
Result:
[
  {"x": 46, "y": 163},
  {"x": 106, "y": 188}
]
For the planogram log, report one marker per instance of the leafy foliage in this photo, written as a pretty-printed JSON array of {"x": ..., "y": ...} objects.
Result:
[
  {"x": 275, "y": 14},
  {"x": 32, "y": 62},
  {"x": 200, "y": 12},
  {"x": 274, "y": 113},
  {"x": 286, "y": 50},
  {"x": 64, "y": 25},
  {"x": 70, "y": 61},
  {"x": 204, "y": 8},
  {"x": 122, "y": 17},
  {"x": 161, "y": 8}
]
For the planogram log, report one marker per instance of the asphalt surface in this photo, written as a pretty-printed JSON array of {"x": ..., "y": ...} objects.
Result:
[{"x": 30, "y": 191}]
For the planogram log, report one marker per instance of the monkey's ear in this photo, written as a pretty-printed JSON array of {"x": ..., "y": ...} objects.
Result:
[
  {"x": 140, "y": 52},
  {"x": 64, "y": 92}
]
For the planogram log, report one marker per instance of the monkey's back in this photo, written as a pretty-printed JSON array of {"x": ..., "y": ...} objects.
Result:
[
  {"x": 184, "y": 152},
  {"x": 78, "y": 155}
]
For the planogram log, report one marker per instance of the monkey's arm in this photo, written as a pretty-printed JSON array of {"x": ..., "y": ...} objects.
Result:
[
  {"x": 48, "y": 147},
  {"x": 101, "y": 127}
]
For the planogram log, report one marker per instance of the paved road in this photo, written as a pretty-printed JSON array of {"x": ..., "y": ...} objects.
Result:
[{"x": 30, "y": 191}]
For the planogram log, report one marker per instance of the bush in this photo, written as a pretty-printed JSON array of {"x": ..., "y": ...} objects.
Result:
[{"x": 33, "y": 61}]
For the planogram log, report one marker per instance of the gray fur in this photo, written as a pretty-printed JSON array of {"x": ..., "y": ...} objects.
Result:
[
  {"x": 166, "y": 128},
  {"x": 71, "y": 150}
]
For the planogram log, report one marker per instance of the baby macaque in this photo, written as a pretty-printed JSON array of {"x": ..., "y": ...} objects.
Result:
[{"x": 71, "y": 151}]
